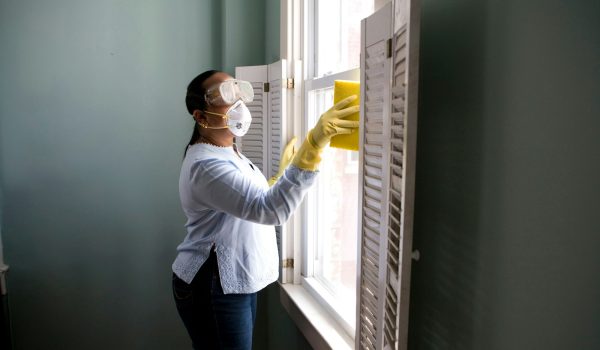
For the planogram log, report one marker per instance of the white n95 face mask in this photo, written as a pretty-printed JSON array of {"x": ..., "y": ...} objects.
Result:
[{"x": 238, "y": 119}]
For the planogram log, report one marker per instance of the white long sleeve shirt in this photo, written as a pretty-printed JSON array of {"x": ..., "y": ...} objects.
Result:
[{"x": 229, "y": 204}]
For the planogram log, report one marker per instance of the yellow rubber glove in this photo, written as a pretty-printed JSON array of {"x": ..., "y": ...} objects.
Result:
[
  {"x": 286, "y": 157},
  {"x": 330, "y": 124}
]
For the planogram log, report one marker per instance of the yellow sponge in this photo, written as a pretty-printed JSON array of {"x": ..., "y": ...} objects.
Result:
[{"x": 341, "y": 90}]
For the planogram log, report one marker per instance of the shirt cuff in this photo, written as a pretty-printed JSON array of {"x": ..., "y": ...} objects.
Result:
[{"x": 300, "y": 176}]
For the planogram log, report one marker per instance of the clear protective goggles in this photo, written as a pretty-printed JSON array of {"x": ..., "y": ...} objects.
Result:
[{"x": 228, "y": 92}]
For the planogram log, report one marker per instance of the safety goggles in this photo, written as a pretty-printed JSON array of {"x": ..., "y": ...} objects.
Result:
[{"x": 228, "y": 92}]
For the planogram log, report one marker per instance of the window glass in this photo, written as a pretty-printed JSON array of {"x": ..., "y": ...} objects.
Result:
[
  {"x": 335, "y": 261},
  {"x": 337, "y": 34},
  {"x": 334, "y": 222}
]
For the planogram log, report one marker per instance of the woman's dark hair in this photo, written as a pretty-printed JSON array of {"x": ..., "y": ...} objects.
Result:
[{"x": 194, "y": 99}]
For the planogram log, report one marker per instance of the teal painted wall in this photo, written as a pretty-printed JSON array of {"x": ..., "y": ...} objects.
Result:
[
  {"x": 92, "y": 127},
  {"x": 242, "y": 19},
  {"x": 272, "y": 29},
  {"x": 508, "y": 176},
  {"x": 92, "y": 130},
  {"x": 280, "y": 330}
]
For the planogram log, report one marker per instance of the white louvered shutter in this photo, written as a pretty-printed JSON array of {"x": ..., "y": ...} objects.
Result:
[
  {"x": 253, "y": 144},
  {"x": 278, "y": 137},
  {"x": 387, "y": 176},
  {"x": 375, "y": 86},
  {"x": 267, "y": 136}
]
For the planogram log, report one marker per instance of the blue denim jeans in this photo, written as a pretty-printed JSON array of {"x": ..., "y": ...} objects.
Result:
[{"x": 214, "y": 320}]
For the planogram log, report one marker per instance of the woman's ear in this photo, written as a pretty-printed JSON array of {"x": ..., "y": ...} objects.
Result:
[{"x": 198, "y": 116}]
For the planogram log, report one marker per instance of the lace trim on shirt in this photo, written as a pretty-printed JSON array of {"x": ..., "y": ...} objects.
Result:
[{"x": 231, "y": 284}]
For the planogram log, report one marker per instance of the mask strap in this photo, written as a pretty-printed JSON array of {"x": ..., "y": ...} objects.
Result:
[
  {"x": 215, "y": 127},
  {"x": 217, "y": 114}
]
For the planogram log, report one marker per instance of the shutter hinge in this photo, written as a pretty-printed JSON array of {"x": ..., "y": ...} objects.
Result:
[
  {"x": 267, "y": 87},
  {"x": 389, "y": 48},
  {"x": 290, "y": 83},
  {"x": 287, "y": 263}
]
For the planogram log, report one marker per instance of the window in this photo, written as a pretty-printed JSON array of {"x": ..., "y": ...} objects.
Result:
[
  {"x": 336, "y": 30},
  {"x": 330, "y": 226},
  {"x": 367, "y": 195}
]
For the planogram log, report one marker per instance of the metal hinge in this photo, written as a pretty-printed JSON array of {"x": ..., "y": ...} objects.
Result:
[
  {"x": 267, "y": 87},
  {"x": 290, "y": 83},
  {"x": 389, "y": 48},
  {"x": 287, "y": 263}
]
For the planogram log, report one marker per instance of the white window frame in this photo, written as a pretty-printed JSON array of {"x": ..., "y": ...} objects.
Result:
[
  {"x": 319, "y": 321},
  {"x": 302, "y": 299},
  {"x": 312, "y": 284}
]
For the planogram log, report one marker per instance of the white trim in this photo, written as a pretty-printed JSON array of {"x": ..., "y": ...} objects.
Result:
[
  {"x": 309, "y": 22},
  {"x": 329, "y": 303},
  {"x": 327, "y": 81},
  {"x": 291, "y": 38},
  {"x": 318, "y": 327},
  {"x": 308, "y": 237},
  {"x": 297, "y": 129}
]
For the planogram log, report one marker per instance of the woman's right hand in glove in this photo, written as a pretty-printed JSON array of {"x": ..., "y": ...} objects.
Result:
[
  {"x": 330, "y": 124},
  {"x": 333, "y": 123}
]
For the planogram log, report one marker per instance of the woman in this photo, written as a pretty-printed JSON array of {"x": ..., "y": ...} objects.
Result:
[{"x": 230, "y": 251}]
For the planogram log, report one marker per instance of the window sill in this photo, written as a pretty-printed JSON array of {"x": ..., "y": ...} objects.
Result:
[{"x": 319, "y": 328}]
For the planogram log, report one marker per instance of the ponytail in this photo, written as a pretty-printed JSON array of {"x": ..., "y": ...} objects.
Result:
[
  {"x": 194, "y": 100},
  {"x": 193, "y": 140}
]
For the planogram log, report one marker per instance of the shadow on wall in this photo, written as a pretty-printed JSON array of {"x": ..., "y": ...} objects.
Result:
[{"x": 446, "y": 299}]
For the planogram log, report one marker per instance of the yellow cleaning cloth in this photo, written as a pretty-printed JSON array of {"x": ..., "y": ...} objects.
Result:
[{"x": 341, "y": 90}]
